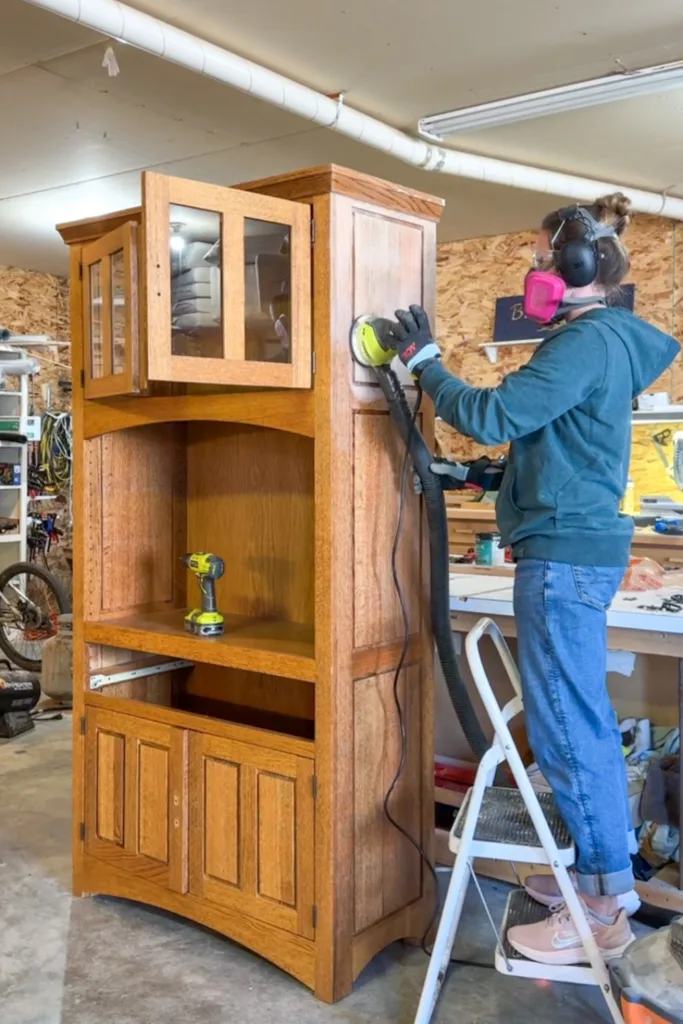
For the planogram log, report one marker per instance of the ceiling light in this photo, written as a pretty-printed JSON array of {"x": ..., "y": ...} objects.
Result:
[
  {"x": 621, "y": 85},
  {"x": 177, "y": 242}
]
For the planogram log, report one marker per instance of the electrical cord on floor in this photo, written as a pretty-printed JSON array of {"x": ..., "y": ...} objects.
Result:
[{"x": 415, "y": 843}]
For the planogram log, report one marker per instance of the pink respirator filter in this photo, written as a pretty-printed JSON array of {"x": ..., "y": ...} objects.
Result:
[{"x": 543, "y": 293}]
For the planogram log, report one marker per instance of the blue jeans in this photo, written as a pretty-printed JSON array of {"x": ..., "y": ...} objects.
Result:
[{"x": 561, "y": 616}]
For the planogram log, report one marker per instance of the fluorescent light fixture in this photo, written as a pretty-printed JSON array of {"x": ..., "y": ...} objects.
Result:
[{"x": 622, "y": 85}]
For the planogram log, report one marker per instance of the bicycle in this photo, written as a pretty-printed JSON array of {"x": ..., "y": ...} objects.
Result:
[
  {"x": 31, "y": 601},
  {"x": 31, "y": 597}
]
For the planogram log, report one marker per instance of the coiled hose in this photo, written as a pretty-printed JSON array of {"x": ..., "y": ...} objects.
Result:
[{"x": 437, "y": 522}]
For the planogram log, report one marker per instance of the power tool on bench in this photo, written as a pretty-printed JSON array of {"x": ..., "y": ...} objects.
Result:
[{"x": 207, "y": 620}]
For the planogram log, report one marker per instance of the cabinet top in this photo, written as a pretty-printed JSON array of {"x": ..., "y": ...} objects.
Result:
[
  {"x": 327, "y": 178},
  {"x": 297, "y": 185}
]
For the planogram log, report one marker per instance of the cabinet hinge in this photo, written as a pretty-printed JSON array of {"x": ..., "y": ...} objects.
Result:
[
  {"x": 312, "y": 230},
  {"x": 313, "y": 363},
  {"x": 82, "y": 378},
  {"x": 314, "y": 786},
  {"x": 314, "y": 915},
  {"x": 82, "y": 725},
  {"x": 80, "y": 271},
  {"x": 82, "y": 831}
]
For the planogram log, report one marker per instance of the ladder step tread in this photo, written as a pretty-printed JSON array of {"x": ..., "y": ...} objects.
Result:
[
  {"x": 504, "y": 818},
  {"x": 521, "y": 909}
]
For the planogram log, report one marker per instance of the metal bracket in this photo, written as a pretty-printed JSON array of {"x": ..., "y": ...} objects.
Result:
[{"x": 100, "y": 680}]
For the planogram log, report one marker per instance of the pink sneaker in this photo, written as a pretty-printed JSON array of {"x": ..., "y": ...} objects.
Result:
[
  {"x": 544, "y": 889},
  {"x": 556, "y": 940}
]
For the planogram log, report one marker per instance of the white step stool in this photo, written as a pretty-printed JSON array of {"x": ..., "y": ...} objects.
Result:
[{"x": 510, "y": 825}]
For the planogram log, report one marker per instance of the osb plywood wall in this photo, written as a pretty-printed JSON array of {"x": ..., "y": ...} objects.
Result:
[
  {"x": 471, "y": 275},
  {"x": 33, "y": 303}
]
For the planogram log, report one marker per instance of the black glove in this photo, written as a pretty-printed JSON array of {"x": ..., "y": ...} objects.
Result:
[{"x": 413, "y": 339}]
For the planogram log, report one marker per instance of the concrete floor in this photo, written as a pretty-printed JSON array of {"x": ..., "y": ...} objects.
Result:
[{"x": 104, "y": 961}]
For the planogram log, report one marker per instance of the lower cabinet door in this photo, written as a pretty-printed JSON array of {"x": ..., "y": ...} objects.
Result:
[
  {"x": 136, "y": 804},
  {"x": 251, "y": 831}
]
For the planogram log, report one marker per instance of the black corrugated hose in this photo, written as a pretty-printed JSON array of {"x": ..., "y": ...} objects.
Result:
[{"x": 437, "y": 521}]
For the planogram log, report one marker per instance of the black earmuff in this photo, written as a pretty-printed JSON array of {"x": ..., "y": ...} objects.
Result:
[{"x": 576, "y": 260}]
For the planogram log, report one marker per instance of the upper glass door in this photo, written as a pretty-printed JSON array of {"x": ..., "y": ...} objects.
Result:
[
  {"x": 110, "y": 314},
  {"x": 228, "y": 285}
]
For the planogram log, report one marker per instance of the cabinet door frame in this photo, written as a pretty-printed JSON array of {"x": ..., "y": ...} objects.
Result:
[
  {"x": 125, "y": 854},
  {"x": 122, "y": 239},
  {"x": 244, "y": 897},
  {"x": 159, "y": 192}
]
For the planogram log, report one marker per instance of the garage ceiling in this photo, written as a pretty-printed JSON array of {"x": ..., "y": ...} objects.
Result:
[{"x": 75, "y": 140}]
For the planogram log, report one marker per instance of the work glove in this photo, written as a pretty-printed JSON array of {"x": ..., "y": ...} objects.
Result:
[{"x": 413, "y": 339}]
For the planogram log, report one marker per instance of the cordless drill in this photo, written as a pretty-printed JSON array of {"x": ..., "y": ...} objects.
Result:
[{"x": 207, "y": 620}]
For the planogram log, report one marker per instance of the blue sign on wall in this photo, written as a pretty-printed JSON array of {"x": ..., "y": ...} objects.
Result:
[{"x": 511, "y": 324}]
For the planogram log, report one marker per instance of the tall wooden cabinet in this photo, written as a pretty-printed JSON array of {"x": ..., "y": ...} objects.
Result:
[{"x": 240, "y": 780}]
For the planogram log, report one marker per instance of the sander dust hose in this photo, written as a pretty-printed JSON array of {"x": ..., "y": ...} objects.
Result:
[{"x": 437, "y": 522}]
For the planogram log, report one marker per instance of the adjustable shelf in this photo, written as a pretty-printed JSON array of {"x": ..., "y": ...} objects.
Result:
[{"x": 255, "y": 645}]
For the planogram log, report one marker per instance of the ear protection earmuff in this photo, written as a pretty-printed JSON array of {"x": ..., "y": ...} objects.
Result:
[{"x": 577, "y": 260}]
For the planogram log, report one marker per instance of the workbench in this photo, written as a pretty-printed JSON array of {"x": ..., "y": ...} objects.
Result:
[{"x": 488, "y": 592}]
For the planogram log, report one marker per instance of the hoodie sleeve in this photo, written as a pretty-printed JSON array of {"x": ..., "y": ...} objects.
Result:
[{"x": 556, "y": 379}]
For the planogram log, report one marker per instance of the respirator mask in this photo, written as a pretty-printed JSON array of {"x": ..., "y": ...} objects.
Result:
[{"x": 573, "y": 264}]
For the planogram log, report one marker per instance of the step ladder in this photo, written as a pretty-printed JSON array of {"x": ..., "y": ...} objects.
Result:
[{"x": 515, "y": 825}]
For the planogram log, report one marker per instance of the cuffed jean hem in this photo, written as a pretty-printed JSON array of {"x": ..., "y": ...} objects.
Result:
[{"x": 614, "y": 884}]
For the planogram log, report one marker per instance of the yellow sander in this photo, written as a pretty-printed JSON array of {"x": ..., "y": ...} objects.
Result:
[{"x": 371, "y": 341}]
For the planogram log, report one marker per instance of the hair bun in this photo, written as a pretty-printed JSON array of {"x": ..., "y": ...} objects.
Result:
[{"x": 619, "y": 206}]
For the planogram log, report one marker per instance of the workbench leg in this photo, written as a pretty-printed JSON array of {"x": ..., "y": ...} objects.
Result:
[{"x": 680, "y": 767}]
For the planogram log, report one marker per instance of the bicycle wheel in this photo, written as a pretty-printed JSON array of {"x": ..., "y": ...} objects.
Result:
[{"x": 31, "y": 601}]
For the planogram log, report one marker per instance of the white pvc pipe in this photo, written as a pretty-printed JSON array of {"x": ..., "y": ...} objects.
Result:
[{"x": 118, "y": 20}]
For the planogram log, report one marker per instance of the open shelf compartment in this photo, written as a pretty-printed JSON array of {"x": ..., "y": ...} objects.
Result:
[
  {"x": 243, "y": 492},
  {"x": 170, "y": 689}
]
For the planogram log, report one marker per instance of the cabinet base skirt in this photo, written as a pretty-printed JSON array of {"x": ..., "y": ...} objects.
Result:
[{"x": 291, "y": 953}]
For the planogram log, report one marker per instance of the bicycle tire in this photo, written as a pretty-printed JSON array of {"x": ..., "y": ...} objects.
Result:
[{"x": 30, "y": 569}]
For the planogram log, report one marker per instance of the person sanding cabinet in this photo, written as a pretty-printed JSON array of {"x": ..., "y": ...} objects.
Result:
[{"x": 567, "y": 417}]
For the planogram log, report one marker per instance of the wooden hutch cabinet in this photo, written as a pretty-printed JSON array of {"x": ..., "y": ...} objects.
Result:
[{"x": 239, "y": 780}]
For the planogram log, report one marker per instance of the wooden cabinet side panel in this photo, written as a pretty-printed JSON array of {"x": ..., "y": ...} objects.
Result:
[
  {"x": 134, "y": 518},
  {"x": 378, "y": 460},
  {"x": 391, "y": 256},
  {"x": 387, "y": 867},
  {"x": 367, "y": 260}
]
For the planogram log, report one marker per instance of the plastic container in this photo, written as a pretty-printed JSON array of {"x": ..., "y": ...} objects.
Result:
[
  {"x": 57, "y": 656},
  {"x": 487, "y": 549}
]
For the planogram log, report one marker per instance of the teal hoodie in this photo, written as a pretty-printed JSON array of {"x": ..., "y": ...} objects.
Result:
[{"x": 567, "y": 414}]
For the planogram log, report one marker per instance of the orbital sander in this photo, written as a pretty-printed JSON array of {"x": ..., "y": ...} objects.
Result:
[{"x": 372, "y": 341}]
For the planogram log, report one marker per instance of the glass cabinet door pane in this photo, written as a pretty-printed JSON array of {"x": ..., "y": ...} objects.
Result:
[
  {"x": 118, "y": 312},
  {"x": 96, "y": 322},
  {"x": 196, "y": 284},
  {"x": 267, "y": 291}
]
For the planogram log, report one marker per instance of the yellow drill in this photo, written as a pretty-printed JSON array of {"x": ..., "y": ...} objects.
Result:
[{"x": 207, "y": 620}]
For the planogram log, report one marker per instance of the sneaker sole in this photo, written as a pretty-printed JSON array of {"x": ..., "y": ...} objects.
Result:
[
  {"x": 567, "y": 957},
  {"x": 630, "y": 902}
]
